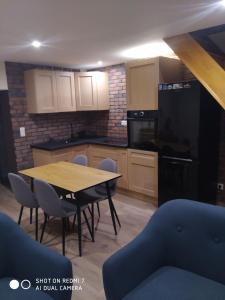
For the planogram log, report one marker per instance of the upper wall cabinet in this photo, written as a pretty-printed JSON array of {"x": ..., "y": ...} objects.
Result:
[
  {"x": 40, "y": 91},
  {"x": 65, "y": 91},
  {"x": 92, "y": 91},
  {"x": 57, "y": 91},
  {"x": 86, "y": 92},
  {"x": 143, "y": 77},
  {"x": 49, "y": 91}
]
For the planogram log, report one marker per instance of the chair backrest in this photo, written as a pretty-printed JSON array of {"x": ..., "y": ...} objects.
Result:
[
  {"x": 192, "y": 235},
  {"x": 48, "y": 199},
  {"x": 80, "y": 159},
  {"x": 22, "y": 191},
  {"x": 41, "y": 261},
  {"x": 109, "y": 165}
]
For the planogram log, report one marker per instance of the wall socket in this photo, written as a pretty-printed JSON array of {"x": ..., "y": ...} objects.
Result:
[
  {"x": 123, "y": 123},
  {"x": 22, "y": 132},
  {"x": 220, "y": 186}
]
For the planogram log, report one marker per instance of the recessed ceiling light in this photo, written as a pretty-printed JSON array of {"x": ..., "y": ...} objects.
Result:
[
  {"x": 100, "y": 63},
  {"x": 36, "y": 44},
  {"x": 223, "y": 2},
  {"x": 149, "y": 50}
]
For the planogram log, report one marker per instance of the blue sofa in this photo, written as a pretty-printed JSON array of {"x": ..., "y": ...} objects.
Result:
[
  {"x": 22, "y": 258},
  {"x": 180, "y": 255}
]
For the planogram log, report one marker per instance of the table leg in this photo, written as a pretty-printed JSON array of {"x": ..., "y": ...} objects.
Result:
[
  {"x": 36, "y": 223},
  {"x": 111, "y": 206},
  {"x": 79, "y": 228},
  {"x": 93, "y": 221}
]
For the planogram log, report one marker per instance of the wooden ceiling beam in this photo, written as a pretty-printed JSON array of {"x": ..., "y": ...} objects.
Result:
[{"x": 201, "y": 64}]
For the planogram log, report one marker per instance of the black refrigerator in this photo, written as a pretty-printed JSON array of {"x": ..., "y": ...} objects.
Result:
[{"x": 188, "y": 141}]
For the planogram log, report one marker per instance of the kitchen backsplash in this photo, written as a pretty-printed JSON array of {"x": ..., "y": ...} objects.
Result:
[{"x": 41, "y": 127}]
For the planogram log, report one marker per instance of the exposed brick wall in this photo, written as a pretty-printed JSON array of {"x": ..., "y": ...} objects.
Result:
[
  {"x": 41, "y": 127},
  {"x": 118, "y": 101}
]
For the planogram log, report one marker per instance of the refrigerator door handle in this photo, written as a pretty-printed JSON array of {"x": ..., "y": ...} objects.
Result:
[{"x": 177, "y": 158}]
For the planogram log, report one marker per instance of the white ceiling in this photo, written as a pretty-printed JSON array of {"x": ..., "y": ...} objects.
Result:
[{"x": 78, "y": 33}]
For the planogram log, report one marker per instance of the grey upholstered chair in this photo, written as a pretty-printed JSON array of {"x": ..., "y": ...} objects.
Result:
[
  {"x": 80, "y": 159},
  {"x": 25, "y": 197},
  {"x": 53, "y": 206},
  {"x": 99, "y": 193}
]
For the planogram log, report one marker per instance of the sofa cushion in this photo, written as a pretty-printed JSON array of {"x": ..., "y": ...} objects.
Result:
[
  {"x": 7, "y": 293},
  {"x": 170, "y": 283}
]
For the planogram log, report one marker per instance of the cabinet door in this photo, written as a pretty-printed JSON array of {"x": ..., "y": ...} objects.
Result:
[
  {"x": 102, "y": 90},
  {"x": 142, "y": 85},
  {"x": 65, "y": 91},
  {"x": 79, "y": 150},
  {"x": 45, "y": 91},
  {"x": 62, "y": 155},
  {"x": 86, "y": 91},
  {"x": 142, "y": 172}
]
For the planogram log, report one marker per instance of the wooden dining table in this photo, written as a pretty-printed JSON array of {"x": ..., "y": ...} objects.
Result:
[{"x": 74, "y": 178}]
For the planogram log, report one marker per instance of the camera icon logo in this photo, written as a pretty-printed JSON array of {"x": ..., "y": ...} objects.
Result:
[{"x": 25, "y": 284}]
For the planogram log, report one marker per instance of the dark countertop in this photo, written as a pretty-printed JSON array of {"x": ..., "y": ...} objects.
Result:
[{"x": 102, "y": 140}]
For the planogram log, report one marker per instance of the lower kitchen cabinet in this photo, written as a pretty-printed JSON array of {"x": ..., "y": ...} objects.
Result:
[
  {"x": 143, "y": 172},
  {"x": 98, "y": 153},
  {"x": 43, "y": 157}
]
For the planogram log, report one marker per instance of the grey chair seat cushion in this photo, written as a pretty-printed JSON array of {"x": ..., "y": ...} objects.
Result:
[
  {"x": 90, "y": 195},
  {"x": 170, "y": 283},
  {"x": 6, "y": 293},
  {"x": 69, "y": 208}
]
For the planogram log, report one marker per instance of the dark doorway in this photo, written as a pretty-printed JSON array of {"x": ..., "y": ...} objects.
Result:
[{"x": 7, "y": 153}]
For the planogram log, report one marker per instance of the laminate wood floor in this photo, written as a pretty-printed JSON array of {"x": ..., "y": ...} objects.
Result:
[{"x": 134, "y": 215}]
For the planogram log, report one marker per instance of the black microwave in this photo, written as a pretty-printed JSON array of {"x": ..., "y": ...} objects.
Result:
[{"x": 142, "y": 128}]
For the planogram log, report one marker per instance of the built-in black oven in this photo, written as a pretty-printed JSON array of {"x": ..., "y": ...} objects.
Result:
[{"x": 142, "y": 129}]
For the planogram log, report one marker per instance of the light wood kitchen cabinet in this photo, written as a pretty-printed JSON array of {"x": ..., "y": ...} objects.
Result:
[
  {"x": 143, "y": 78},
  {"x": 41, "y": 91},
  {"x": 143, "y": 172},
  {"x": 102, "y": 90},
  {"x": 43, "y": 157},
  {"x": 65, "y": 91},
  {"x": 97, "y": 153},
  {"x": 86, "y": 91},
  {"x": 49, "y": 91},
  {"x": 92, "y": 91}
]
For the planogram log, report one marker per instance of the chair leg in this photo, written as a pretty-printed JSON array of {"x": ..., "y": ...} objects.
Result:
[
  {"x": 43, "y": 228},
  {"x": 117, "y": 218},
  {"x": 90, "y": 212},
  {"x": 74, "y": 220},
  {"x": 98, "y": 206},
  {"x": 36, "y": 223},
  {"x": 88, "y": 225},
  {"x": 111, "y": 207},
  {"x": 64, "y": 221},
  {"x": 68, "y": 224},
  {"x": 93, "y": 221},
  {"x": 79, "y": 229},
  {"x": 31, "y": 215},
  {"x": 20, "y": 215}
]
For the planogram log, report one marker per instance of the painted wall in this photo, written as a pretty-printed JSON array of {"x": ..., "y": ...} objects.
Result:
[{"x": 3, "y": 79}]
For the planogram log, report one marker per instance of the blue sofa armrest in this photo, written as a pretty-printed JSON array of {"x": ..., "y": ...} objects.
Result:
[
  {"x": 28, "y": 259},
  {"x": 128, "y": 267}
]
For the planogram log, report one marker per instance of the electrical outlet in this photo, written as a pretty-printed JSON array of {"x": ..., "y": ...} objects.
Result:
[
  {"x": 22, "y": 132},
  {"x": 124, "y": 123},
  {"x": 220, "y": 186}
]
